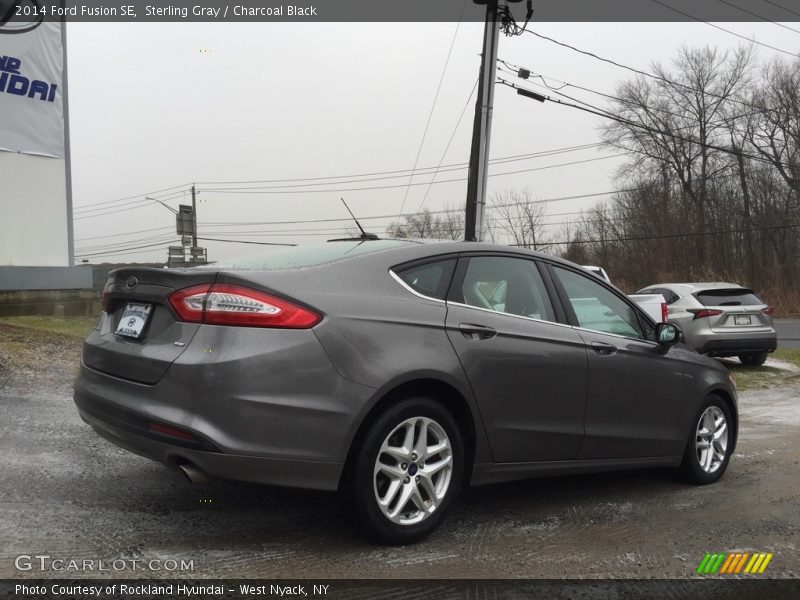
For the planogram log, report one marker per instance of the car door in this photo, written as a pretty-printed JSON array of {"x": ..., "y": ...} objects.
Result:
[
  {"x": 635, "y": 389},
  {"x": 528, "y": 372}
]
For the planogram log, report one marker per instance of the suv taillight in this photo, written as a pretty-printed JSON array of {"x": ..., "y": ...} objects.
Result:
[
  {"x": 664, "y": 312},
  {"x": 768, "y": 311},
  {"x": 223, "y": 304},
  {"x": 699, "y": 313}
]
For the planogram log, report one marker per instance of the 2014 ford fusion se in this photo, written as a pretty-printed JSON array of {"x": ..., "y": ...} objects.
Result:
[{"x": 396, "y": 372}]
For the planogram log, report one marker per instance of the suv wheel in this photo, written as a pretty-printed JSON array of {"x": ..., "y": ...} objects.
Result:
[
  {"x": 710, "y": 443},
  {"x": 753, "y": 359},
  {"x": 407, "y": 471}
]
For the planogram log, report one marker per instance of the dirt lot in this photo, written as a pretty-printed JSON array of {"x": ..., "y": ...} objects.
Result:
[{"x": 69, "y": 494}]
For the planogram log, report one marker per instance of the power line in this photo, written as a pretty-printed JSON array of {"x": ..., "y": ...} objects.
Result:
[
  {"x": 668, "y": 236},
  {"x": 387, "y": 187},
  {"x": 601, "y": 113},
  {"x": 433, "y": 105},
  {"x": 757, "y": 16},
  {"x": 781, "y": 6},
  {"x": 447, "y": 147},
  {"x": 151, "y": 193},
  {"x": 645, "y": 73},
  {"x": 752, "y": 40},
  {"x": 516, "y": 70}
]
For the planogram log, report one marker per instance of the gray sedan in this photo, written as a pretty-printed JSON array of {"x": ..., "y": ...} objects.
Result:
[
  {"x": 720, "y": 319},
  {"x": 397, "y": 372}
]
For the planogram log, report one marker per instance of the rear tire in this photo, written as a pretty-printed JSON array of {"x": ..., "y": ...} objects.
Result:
[
  {"x": 753, "y": 359},
  {"x": 710, "y": 442},
  {"x": 400, "y": 486}
]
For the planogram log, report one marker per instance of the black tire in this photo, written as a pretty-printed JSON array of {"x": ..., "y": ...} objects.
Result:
[
  {"x": 753, "y": 359},
  {"x": 360, "y": 488},
  {"x": 691, "y": 467}
]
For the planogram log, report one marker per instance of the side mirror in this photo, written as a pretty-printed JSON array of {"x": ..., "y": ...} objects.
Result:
[{"x": 667, "y": 334}]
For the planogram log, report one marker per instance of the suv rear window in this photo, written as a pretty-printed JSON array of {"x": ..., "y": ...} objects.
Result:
[
  {"x": 307, "y": 256},
  {"x": 728, "y": 297}
]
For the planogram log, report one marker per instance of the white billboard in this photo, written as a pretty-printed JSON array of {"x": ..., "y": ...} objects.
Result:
[{"x": 31, "y": 101}]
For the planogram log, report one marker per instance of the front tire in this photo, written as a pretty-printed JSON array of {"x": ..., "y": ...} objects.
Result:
[
  {"x": 753, "y": 359},
  {"x": 710, "y": 443},
  {"x": 407, "y": 471}
]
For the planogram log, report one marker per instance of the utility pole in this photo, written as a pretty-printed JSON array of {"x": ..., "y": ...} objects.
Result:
[
  {"x": 194, "y": 219},
  {"x": 482, "y": 127}
]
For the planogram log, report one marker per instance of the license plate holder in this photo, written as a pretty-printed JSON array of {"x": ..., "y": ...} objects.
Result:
[
  {"x": 134, "y": 320},
  {"x": 742, "y": 320}
]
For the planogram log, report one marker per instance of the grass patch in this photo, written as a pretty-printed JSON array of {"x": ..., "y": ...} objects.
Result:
[
  {"x": 790, "y": 355},
  {"x": 77, "y": 327},
  {"x": 753, "y": 378}
]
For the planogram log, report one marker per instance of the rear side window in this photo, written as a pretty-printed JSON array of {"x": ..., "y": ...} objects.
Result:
[
  {"x": 430, "y": 279},
  {"x": 728, "y": 297}
]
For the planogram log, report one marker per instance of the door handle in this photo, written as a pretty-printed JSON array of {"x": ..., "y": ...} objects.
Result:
[
  {"x": 476, "y": 332},
  {"x": 603, "y": 349}
]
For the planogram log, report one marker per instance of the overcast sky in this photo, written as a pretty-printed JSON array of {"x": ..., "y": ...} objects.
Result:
[{"x": 156, "y": 106}]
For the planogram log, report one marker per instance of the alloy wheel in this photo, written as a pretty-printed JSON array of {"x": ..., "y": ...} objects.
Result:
[
  {"x": 413, "y": 470},
  {"x": 711, "y": 440}
]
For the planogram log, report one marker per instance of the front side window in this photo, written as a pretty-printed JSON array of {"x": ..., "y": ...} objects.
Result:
[
  {"x": 507, "y": 285},
  {"x": 598, "y": 308}
]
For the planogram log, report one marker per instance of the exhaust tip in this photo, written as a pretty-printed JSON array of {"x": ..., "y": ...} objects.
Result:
[{"x": 193, "y": 474}]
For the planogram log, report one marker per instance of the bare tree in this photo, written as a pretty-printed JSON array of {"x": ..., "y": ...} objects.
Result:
[
  {"x": 776, "y": 133},
  {"x": 517, "y": 216},
  {"x": 448, "y": 225},
  {"x": 676, "y": 122}
]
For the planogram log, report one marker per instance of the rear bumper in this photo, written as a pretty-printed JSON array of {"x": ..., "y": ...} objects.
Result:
[
  {"x": 717, "y": 347},
  {"x": 105, "y": 420},
  {"x": 265, "y": 406}
]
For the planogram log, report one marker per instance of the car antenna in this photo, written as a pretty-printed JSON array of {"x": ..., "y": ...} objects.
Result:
[{"x": 364, "y": 234}]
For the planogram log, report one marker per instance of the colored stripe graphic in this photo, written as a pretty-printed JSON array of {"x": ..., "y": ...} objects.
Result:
[
  {"x": 733, "y": 563},
  {"x": 741, "y": 562},
  {"x": 703, "y": 563},
  {"x": 727, "y": 564},
  {"x": 767, "y": 558}
]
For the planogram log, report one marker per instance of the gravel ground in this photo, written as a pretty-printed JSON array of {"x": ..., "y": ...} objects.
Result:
[{"x": 69, "y": 494}]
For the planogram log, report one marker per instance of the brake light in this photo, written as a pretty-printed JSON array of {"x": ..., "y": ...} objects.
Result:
[
  {"x": 770, "y": 310},
  {"x": 106, "y": 296},
  {"x": 223, "y": 304},
  {"x": 664, "y": 312},
  {"x": 699, "y": 313}
]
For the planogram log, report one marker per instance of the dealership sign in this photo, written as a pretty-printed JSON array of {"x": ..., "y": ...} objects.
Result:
[{"x": 31, "y": 101}]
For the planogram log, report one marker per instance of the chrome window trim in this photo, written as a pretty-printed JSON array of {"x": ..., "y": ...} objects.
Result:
[
  {"x": 412, "y": 290},
  {"x": 505, "y": 314},
  {"x": 573, "y": 327}
]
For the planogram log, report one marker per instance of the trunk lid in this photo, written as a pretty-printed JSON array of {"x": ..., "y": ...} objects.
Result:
[
  {"x": 740, "y": 310},
  {"x": 145, "y": 357}
]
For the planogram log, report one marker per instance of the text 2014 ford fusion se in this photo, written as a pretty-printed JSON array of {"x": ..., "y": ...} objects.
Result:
[{"x": 397, "y": 372}]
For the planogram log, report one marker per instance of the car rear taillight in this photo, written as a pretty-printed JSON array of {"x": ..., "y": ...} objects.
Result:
[
  {"x": 223, "y": 304},
  {"x": 768, "y": 311},
  {"x": 664, "y": 312},
  {"x": 699, "y": 313},
  {"x": 106, "y": 296}
]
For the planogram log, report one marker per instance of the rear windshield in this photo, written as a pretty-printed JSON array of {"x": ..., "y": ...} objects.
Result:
[
  {"x": 307, "y": 256},
  {"x": 734, "y": 297}
]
